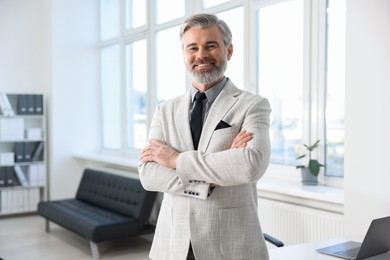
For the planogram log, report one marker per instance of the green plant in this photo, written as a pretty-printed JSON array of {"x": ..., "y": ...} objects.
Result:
[{"x": 313, "y": 165}]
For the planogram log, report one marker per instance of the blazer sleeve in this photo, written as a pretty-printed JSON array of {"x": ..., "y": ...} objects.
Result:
[
  {"x": 161, "y": 179},
  {"x": 234, "y": 166}
]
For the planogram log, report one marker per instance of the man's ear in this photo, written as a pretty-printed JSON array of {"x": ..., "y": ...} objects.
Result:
[{"x": 229, "y": 51}]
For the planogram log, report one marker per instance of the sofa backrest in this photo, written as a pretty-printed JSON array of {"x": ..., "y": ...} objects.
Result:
[{"x": 116, "y": 193}]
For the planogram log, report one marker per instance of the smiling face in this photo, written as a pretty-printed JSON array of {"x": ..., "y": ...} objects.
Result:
[{"x": 205, "y": 55}]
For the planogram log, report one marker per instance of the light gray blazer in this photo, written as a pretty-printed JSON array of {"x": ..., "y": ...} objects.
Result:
[{"x": 224, "y": 225}]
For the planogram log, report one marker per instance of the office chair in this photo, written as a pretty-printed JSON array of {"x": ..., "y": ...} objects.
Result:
[{"x": 273, "y": 240}]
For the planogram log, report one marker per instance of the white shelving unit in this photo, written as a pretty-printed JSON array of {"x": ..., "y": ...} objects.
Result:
[{"x": 23, "y": 147}]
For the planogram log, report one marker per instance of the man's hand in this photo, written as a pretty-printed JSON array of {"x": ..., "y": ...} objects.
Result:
[
  {"x": 160, "y": 153},
  {"x": 241, "y": 139}
]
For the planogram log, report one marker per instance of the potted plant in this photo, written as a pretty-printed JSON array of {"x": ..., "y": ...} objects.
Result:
[{"x": 310, "y": 171}]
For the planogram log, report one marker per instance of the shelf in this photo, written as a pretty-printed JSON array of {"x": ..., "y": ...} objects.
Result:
[
  {"x": 21, "y": 141},
  {"x": 24, "y": 116},
  {"x": 22, "y": 164},
  {"x": 22, "y": 135}
]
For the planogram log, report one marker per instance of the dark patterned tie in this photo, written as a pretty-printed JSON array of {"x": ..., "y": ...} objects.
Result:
[{"x": 197, "y": 118}]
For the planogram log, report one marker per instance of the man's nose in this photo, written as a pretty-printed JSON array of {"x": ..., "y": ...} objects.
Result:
[{"x": 203, "y": 53}]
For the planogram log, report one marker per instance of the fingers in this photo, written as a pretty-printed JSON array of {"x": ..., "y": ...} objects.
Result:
[
  {"x": 147, "y": 154},
  {"x": 241, "y": 140},
  {"x": 148, "y": 151},
  {"x": 160, "y": 153}
]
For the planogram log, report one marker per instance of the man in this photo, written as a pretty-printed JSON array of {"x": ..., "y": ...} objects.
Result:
[{"x": 209, "y": 210}]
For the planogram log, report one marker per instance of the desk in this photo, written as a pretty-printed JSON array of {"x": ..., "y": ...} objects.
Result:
[{"x": 308, "y": 252}]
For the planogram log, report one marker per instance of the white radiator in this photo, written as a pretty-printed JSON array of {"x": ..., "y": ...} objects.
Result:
[{"x": 294, "y": 224}]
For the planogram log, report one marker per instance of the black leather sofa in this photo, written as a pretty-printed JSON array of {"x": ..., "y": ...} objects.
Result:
[{"x": 106, "y": 207}]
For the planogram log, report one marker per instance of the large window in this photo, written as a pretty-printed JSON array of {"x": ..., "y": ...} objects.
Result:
[
  {"x": 300, "y": 57},
  {"x": 290, "y": 51},
  {"x": 280, "y": 74}
]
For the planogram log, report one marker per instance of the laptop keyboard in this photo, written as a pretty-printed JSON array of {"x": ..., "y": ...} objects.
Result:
[{"x": 350, "y": 253}]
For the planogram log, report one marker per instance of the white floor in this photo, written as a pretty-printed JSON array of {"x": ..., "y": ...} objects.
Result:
[{"x": 24, "y": 237}]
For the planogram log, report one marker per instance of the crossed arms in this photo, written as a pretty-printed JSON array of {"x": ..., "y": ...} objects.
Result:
[{"x": 166, "y": 156}]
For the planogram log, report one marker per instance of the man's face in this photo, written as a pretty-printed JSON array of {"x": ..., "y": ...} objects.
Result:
[{"x": 205, "y": 54}]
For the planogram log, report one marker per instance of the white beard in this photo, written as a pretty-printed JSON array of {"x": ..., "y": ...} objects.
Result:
[{"x": 210, "y": 76}]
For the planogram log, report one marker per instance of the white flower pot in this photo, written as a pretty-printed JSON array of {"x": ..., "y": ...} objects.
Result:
[{"x": 308, "y": 178}]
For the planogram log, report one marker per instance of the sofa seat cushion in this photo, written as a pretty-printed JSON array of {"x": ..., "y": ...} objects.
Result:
[{"x": 93, "y": 223}]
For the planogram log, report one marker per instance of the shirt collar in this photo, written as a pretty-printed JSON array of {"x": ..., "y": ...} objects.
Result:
[{"x": 212, "y": 92}]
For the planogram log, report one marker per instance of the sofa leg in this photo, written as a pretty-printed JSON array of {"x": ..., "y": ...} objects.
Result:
[
  {"x": 47, "y": 225},
  {"x": 94, "y": 250}
]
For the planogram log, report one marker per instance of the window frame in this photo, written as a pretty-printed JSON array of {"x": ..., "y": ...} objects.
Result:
[
  {"x": 314, "y": 80},
  {"x": 314, "y": 68}
]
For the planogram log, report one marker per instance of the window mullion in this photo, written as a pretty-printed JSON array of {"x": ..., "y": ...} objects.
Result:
[
  {"x": 123, "y": 102},
  {"x": 252, "y": 45},
  {"x": 318, "y": 72},
  {"x": 151, "y": 99},
  {"x": 308, "y": 77},
  {"x": 248, "y": 84},
  {"x": 316, "y": 87},
  {"x": 321, "y": 74}
]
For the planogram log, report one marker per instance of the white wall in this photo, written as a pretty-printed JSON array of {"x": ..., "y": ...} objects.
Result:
[
  {"x": 50, "y": 47},
  {"x": 22, "y": 47},
  {"x": 367, "y": 148},
  {"x": 74, "y": 119}
]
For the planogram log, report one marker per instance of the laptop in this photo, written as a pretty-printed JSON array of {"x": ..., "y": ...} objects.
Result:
[{"x": 375, "y": 242}]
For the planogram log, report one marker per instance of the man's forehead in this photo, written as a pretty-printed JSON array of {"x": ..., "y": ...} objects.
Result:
[{"x": 202, "y": 35}]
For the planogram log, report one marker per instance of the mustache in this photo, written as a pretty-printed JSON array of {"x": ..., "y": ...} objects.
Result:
[{"x": 202, "y": 61}]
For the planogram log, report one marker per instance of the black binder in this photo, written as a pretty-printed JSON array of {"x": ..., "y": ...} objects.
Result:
[
  {"x": 3, "y": 173},
  {"x": 21, "y": 106},
  {"x": 19, "y": 152},
  {"x": 10, "y": 177},
  {"x": 38, "y": 104},
  {"x": 30, "y": 105},
  {"x": 28, "y": 151}
]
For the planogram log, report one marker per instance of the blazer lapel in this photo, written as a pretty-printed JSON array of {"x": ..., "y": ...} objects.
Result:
[
  {"x": 182, "y": 121},
  {"x": 222, "y": 104}
]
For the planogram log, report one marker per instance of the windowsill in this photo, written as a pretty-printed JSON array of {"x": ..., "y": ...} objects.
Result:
[
  {"x": 109, "y": 159},
  {"x": 291, "y": 191},
  {"x": 284, "y": 190}
]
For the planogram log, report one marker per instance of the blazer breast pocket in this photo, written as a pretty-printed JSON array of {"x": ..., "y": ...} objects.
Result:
[
  {"x": 222, "y": 139},
  {"x": 221, "y": 125}
]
